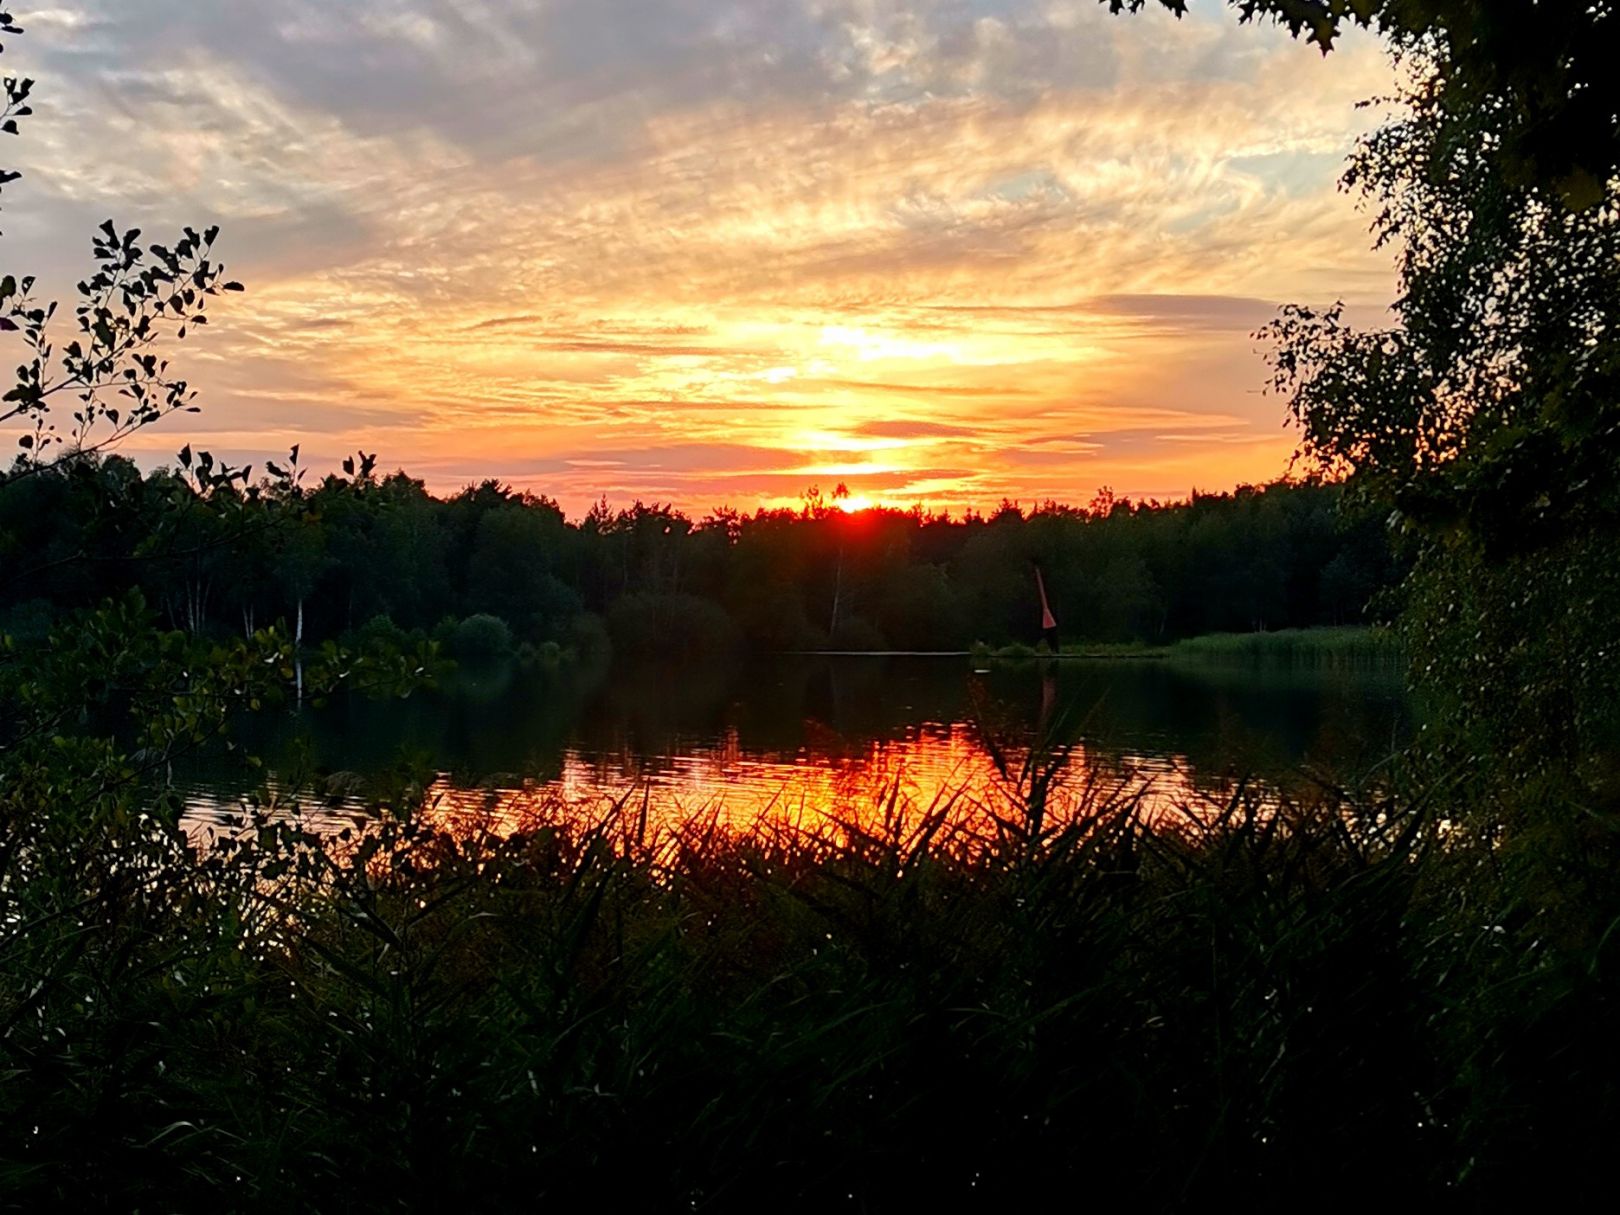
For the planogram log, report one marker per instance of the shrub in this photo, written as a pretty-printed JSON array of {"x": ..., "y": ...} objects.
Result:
[
  {"x": 482, "y": 636},
  {"x": 548, "y": 654},
  {"x": 380, "y": 632}
]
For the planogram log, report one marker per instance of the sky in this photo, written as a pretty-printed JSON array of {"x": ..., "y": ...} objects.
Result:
[{"x": 703, "y": 252}]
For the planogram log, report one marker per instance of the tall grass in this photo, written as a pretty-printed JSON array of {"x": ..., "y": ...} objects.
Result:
[
  {"x": 1019, "y": 652},
  {"x": 1261, "y": 1000},
  {"x": 1349, "y": 648}
]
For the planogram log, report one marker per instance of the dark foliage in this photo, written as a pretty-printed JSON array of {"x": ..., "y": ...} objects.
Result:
[{"x": 1277, "y": 556}]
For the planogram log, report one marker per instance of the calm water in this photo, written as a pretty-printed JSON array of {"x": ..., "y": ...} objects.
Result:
[{"x": 797, "y": 738}]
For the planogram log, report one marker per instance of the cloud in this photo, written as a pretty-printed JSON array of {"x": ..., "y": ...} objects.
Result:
[
  {"x": 702, "y": 243},
  {"x": 1203, "y": 313},
  {"x": 903, "y": 429}
]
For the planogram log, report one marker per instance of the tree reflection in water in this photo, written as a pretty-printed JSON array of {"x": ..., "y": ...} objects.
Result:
[{"x": 807, "y": 742}]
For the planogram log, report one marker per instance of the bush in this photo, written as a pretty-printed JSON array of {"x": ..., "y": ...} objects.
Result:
[
  {"x": 482, "y": 636},
  {"x": 444, "y": 633},
  {"x": 380, "y": 632},
  {"x": 547, "y": 655}
]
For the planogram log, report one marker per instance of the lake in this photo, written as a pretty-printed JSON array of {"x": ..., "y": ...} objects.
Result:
[{"x": 802, "y": 738}]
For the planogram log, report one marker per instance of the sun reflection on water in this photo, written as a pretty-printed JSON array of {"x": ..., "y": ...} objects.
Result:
[
  {"x": 823, "y": 746},
  {"x": 942, "y": 769}
]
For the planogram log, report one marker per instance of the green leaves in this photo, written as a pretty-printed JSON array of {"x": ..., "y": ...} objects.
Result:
[
  {"x": 116, "y": 385},
  {"x": 1486, "y": 415},
  {"x": 120, "y": 317},
  {"x": 1545, "y": 70}
]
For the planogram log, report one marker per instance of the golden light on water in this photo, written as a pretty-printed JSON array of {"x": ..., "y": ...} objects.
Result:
[{"x": 878, "y": 788}]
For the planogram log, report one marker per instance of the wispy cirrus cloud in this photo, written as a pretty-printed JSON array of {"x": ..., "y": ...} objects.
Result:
[{"x": 713, "y": 251}]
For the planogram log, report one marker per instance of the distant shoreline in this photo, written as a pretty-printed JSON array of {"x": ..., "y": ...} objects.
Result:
[
  {"x": 1069, "y": 655},
  {"x": 1333, "y": 646}
]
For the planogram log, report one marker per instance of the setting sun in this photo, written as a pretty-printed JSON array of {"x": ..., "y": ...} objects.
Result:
[{"x": 1020, "y": 255}]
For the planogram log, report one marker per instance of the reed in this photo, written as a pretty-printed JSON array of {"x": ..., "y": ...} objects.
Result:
[
  {"x": 1350, "y": 648},
  {"x": 968, "y": 1005}
]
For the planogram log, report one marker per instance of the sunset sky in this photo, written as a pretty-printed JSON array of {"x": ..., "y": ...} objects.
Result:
[{"x": 706, "y": 252}]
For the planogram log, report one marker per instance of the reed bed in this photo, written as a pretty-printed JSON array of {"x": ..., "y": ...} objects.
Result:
[
  {"x": 1350, "y": 648},
  {"x": 1260, "y": 999}
]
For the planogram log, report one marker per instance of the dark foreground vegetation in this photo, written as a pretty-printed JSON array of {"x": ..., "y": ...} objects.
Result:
[
  {"x": 1248, "y": 1003},
  {"x": 1404, "y": 994}
]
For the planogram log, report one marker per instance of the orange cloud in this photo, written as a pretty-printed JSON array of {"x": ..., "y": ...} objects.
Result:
[{"x": 931, "y": 254}]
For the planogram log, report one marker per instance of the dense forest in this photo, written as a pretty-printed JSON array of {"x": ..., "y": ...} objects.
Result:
[{"x": 365, "y": 552}]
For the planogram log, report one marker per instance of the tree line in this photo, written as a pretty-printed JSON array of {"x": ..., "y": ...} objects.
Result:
[{"x": 214, "y": 555}]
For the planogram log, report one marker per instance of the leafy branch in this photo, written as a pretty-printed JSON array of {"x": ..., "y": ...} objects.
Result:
[
  {"x": 116, "y": 382},
  {"x": 107, "y": 375}
]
